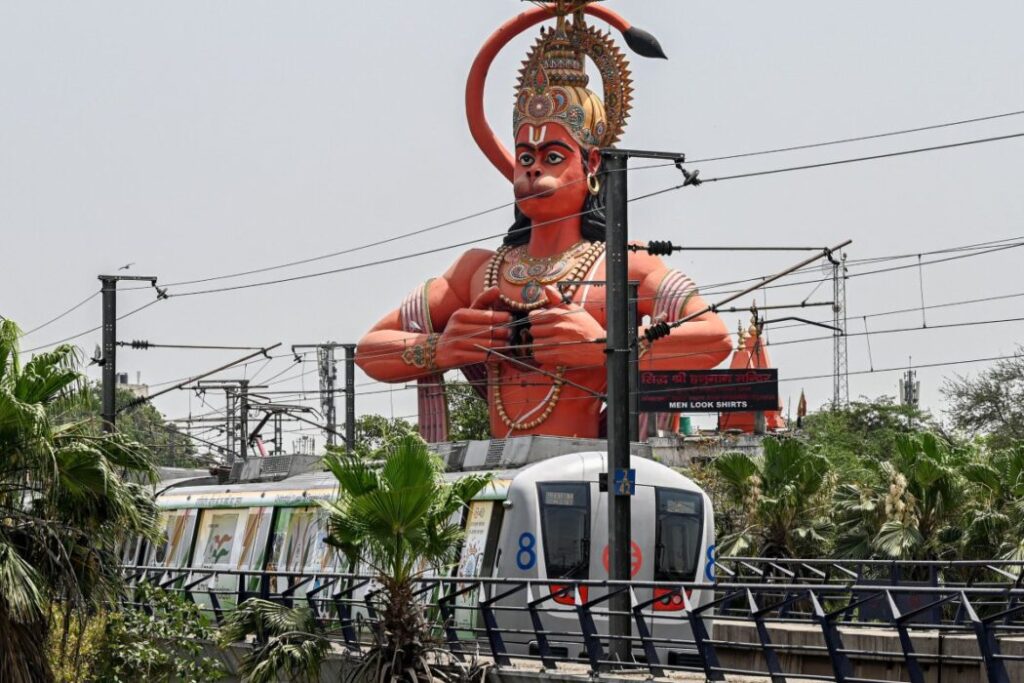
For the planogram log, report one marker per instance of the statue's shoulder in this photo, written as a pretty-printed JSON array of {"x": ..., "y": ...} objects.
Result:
[
  {"x": 468, "y": 263},
  {"x": 466, "y": 275}
]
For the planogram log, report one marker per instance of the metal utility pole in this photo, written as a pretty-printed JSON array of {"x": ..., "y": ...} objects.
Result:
[
  {"x": 108, "y": 360},
  {"x": 236, "y": 394},
  {"x": 328, "y": 375},
  {"x": 840, "y": 368},
  {"x": 634, "y": 362},
  {"x": 243, "y": 416},
  {"x": 617, "y": 355},
  {"x": 350, "y": 397}
]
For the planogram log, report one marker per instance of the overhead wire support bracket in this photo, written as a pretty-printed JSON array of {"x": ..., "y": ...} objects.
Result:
[
  {"x": 662, "y": 329},
  {"x": 144, "y": 344},
  {"x": 195, "y": 380},
  {"x": 806, "y": 322},
  {"x": 666, "y": 247}
]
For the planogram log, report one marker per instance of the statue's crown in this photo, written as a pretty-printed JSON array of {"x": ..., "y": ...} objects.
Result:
[{"x": 553, "y": 83}]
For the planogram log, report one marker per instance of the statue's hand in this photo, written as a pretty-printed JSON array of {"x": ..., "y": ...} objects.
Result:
[
  {"x": 565, "y": 334},
  {"x": 469, "y": 329}
]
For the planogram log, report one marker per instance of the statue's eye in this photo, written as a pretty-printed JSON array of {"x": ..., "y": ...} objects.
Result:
[
  {"x": 525, "y": 159},
  {"x": 554, "y": 158}
]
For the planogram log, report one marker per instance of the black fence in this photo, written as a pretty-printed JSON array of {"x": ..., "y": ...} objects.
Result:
[{"x": 858, "y": 621}]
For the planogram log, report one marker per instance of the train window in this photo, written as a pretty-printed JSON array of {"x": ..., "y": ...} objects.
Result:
[
  {"x": 565, "y": 526},
  {"x": 175, "y": 541},
  {"x": 254, "y": 543},
  {"x": 678, "y": 533},
  {"x": 297, "y": 543},
  {"x": 220, "y": 537}
]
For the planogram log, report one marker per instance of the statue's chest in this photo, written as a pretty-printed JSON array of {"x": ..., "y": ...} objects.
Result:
[{"x": 524, "y": 280}]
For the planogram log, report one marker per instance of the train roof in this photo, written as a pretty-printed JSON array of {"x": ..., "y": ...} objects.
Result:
[
  {"x": 296, "y": 491},
  {"x": 306, "y": 489},
  {"x": 590, "y": 465}
]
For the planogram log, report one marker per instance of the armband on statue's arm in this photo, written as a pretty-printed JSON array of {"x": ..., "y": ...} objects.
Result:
[
  {"x": 422, "y": 355},
  {"x": 674, "y": 291}
]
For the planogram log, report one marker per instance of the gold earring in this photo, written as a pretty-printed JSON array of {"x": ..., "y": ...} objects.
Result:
[{"x": 593, "y": 184}]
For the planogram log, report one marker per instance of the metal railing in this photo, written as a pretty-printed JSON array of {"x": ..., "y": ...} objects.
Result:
[{"x": 861, "y": 620}]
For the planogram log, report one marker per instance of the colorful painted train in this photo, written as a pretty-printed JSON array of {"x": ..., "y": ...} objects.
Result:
[{"x": 547, "y": 520}]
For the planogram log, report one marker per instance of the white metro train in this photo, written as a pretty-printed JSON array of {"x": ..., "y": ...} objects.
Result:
[{"x": 547, "y": 520}]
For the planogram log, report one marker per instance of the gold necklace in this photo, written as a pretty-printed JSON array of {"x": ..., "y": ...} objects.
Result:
[
  {"x": 549, "y": 403},
  {"x": 533, "y": 291}
]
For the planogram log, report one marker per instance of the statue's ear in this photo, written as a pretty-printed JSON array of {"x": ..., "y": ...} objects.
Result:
[{"x": 594, "y": 160}]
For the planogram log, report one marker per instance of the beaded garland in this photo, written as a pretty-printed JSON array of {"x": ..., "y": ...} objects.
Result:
[
  {"x": 523, "y": 425},
  {"x": 533, "y": 300},
  {"x": 532, "y": 290}
]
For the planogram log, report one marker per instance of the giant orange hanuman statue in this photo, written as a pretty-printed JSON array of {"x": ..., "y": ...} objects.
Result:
[{"x": 518, "y": 317}]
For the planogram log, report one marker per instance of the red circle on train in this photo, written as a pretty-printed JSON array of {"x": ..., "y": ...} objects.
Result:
[{"x": 636, "y": 558}]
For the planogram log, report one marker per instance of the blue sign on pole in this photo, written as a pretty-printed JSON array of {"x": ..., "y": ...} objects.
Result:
[{"x": 625, "y": 482}]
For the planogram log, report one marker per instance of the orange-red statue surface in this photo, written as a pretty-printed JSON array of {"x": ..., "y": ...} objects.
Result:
[{"x": 515, "y": 317}]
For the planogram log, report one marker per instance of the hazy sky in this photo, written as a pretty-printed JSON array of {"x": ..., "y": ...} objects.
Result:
[{"x": 201, "y": 138}]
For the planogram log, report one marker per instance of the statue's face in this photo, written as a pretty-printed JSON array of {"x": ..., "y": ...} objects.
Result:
[{"x": 550, "y": 180}]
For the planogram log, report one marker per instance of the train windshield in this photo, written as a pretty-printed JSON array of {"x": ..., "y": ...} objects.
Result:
[
  {"x": 565, "y": 525},
  {"x": 678, "y": 534}
]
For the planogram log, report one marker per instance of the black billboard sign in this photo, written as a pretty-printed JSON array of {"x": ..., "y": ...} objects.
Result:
[{"x": 709, "y": 391}]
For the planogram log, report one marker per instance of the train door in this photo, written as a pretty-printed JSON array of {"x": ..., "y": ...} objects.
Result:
[{"x": 482, "y": 527}]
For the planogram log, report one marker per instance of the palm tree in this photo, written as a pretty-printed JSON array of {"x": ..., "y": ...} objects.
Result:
[
  {"x": 286, "y": 641},
  {"x": 400, "y": 521},
  {"x": 909, "y": 508},
  {"x": 64, "y": 504},
  {"x": 776, "y": 502},
  {"x": 994, "y": 522}
]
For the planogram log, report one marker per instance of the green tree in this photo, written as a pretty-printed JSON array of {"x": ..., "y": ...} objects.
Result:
[
  {"x": 143, "y": 423},
  {"x": 160, "y": 644},
  {"x": 991, "y": 404},
  {"x": 64, "y": 504},
  {"x": 468, "y": 416},
  {"x": 376, "y": 432},
  {"x": 399, "y": 521},
  {"x": 865, "y": 430},
  {"x": 775, "y": 505}
]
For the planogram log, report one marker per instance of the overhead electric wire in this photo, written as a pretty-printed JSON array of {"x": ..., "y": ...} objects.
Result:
[
  {"x": 854, "y": 160},
  {"x": 483, "y": 212},
  {"x": 916, "y": 309},
  {"x": 635, "y": 199},
  {"x": 61, "y": 315},
  {"x": 396, "y": 352},
  {"x": 947, "y": 250},
  {"x": 393, "y": 259},
  {"x": 92, "y": 329},
  {"x": 858, "y": 138},
  {"x": 918, "y": 328},
  {"x": 878, "y": 271},
  {"x": 874, "y": 259},
  {"x": 898, "y": 368}
]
